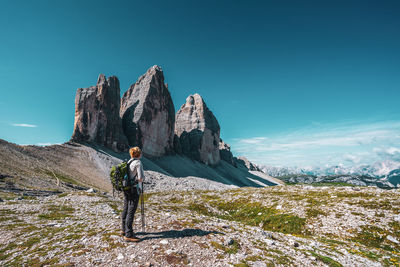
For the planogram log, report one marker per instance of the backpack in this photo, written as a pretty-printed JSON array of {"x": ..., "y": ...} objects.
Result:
[{"x": 119, "y": 176}]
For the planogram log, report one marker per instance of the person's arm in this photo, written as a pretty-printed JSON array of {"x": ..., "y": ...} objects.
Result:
[{"x": 140, "y": 172}]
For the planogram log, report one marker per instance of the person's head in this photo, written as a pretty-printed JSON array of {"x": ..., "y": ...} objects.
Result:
[{"x": 135, "y": 152}]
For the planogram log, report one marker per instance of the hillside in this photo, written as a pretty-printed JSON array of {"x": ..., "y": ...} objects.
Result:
[{"x": 74, "y": 166}]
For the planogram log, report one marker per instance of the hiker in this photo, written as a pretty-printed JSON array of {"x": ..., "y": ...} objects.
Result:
[{"x": 131, "y": 196}]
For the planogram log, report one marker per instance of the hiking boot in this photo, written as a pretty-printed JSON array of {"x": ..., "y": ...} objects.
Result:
[{"x": 131, "y": 239}]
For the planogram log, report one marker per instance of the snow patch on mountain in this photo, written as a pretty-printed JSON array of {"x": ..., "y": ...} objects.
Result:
[{"x": 378, "y": 169}]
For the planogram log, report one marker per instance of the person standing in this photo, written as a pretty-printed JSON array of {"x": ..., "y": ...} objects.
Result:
[{"x": 131, "y": 196}]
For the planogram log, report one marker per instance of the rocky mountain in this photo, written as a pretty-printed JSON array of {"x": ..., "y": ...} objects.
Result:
[
  {"x": 393, "y": 178},
  {"x": 198, "y": 131},
  {"x": 97, "y": 115},
  {"x": 189, "y": 159},
  {"x": 364, "y": 175},
  {"x": 225, "y": 152},
  {"x": 148, "y": 114},
  {"x": 245, "y": 163},
  {"x": 145, "y": 117},
  {"x": 356, "y": 180},
  {"x": 377, "y": 169}
]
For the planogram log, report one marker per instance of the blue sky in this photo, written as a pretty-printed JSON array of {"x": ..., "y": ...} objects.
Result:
[{"x": 285, "y": 72}]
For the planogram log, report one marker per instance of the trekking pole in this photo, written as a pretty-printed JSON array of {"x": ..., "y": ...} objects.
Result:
[{"x": 142, "y": 207}]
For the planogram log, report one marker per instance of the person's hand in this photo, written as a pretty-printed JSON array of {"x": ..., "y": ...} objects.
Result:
[{"x": 140, "y": 180}]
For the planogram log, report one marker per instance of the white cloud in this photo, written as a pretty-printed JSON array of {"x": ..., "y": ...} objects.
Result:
[
  {"x": 24, "y": 125},
  {"x": 389, "y": 153},
  {"x": 347, "y": 143},
  {"x": 393, "y": 150},
  {"x": 351, "y": 158},
  {"x": 253, "y": 140},
  {"x": 47, "y": 144},
  {"x": 44, "y": 144}
]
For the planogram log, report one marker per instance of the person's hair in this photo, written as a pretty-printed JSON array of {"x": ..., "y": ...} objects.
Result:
[{"x": 135, "y": 152}]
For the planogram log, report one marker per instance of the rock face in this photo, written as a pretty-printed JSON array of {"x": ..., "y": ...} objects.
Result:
[
  {"x": 148, "y": 114},
  {"x": 97, "y": 115},
  {"x": 198, "y": 131},
  {"x": 225, "y": 152},
  {"x": 242, "y": 162}
]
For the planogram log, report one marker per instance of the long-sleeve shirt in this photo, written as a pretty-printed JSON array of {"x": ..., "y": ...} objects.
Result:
[{"x": 136, "y": 167}]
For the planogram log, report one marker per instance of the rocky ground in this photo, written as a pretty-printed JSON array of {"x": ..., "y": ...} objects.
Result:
[{"x": 273, "y": 226}]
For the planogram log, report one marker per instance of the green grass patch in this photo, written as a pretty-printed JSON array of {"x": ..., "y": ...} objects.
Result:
[
  {"x": 6, "y": 212},
  {"x": 376, "y": 205},
  {"x": 207, "y": 197},
  {"x": 28, "y": 229},
  {"x": 147, "y": 196},
  {"x": 312, "y": 213},
  {"x": 370, "y": 236},
  {"x": 253, "y": 213},
  {"x": 57, "y": 213},
  {"x": 314, "y": 202},
  {"x": 232, "y": 249},
  {"x": 30, "y": 242},
  {"x": 199, "y": 208},
  {"x": 368, "y": 254},
  {"x": 328, "y": 261},
  {"x": 8, "y": 248},
  {"x": 331, "y": 241},
  {"x": 114, "y": 206},
  {"x": 339, "y": 215},
  {"x": 254, "y": 258},
  {"x": 112, "y": 243},
  {"x": 395, "y": 227},
  {"x": 62, "y": 195},
  {"x": 373, "y": 236},
  {"x": 176, "y": 200},
  {"x": 6, "y": 218},
  {"x": 241, "y": 264},
  {"x": 8, "y": 195},
  {"x": 355, "y": 195},
  {"x": 73, "y": 237},
  {"x": 36, "y": 262}
]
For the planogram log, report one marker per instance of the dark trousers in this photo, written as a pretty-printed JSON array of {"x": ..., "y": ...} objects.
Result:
[{"x": 131, "y": 200}]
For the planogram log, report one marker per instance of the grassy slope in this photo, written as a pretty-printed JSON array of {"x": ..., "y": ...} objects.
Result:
[{"x": 40, "y": 167}]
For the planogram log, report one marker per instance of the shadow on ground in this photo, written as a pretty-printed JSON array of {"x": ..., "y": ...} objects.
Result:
[
  {"x": 182, "y": 166},
  {"x": 175, "y": 234}
]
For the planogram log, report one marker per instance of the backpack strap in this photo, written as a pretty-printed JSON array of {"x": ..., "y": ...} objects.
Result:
[{"x": 129, "y": 168}]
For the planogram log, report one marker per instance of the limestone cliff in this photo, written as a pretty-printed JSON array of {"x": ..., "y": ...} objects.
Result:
[
  {"x": 97, "y": 115},
  {"x": 198, "y": 131},
  {"x": 148, "y": 114}
]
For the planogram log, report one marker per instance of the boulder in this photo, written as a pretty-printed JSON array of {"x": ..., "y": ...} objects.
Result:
[
  {"x": 198, "y": 131},
  {"x": 225, "y": 152},
  {"x": 148, "y": 114},
  {"x": 97, "y": 115}
]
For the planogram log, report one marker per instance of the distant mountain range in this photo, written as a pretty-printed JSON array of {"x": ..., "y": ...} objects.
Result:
[{"x": 383, "y": 174}]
